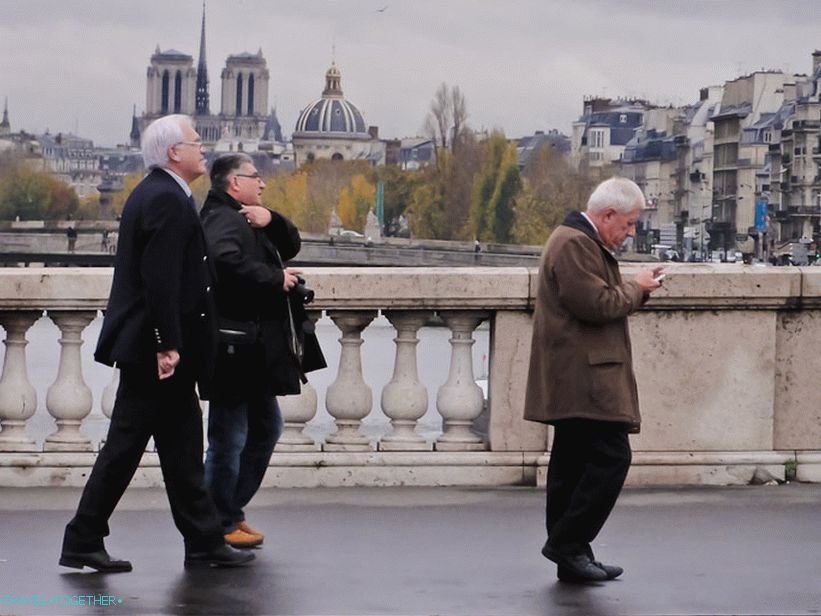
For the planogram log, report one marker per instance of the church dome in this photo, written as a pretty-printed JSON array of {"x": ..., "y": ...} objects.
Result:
[{"x": 331, "y": 113}]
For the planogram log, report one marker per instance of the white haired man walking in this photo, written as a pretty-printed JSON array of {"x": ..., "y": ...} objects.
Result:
[{"x": 159, "y": 329}]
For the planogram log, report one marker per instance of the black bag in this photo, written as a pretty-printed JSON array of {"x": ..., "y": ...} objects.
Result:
[{"x": 238, "y": 332}]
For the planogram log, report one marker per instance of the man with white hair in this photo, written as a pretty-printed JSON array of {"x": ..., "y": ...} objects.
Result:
[
  {"x": 159, "y": 329},
  {"x": 581, "y": 373}
]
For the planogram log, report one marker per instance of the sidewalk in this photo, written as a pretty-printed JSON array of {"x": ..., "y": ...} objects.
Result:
[{"x": 445, "y": 551}]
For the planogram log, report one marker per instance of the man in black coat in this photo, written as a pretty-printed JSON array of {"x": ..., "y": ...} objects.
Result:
[
  {"x": 159, "y": 329},
  {"x": 255, "y": 362}
]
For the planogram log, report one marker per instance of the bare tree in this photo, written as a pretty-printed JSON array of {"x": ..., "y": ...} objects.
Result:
[{"x": 446, "y": 120}]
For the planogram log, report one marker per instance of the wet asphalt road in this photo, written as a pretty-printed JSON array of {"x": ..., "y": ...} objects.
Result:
[{"x": 444, "y": 551}]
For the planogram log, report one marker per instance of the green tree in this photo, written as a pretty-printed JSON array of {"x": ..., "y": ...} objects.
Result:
[
  {"x": 426, "y": 216},
  {"x": 495, "y": 188},
  {"x": 24, "y": 194}
]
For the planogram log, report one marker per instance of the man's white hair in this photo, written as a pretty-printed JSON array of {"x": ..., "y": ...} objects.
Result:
[
  {"x": 617, "y": 193},
  {"x": 160, "y": 135}
]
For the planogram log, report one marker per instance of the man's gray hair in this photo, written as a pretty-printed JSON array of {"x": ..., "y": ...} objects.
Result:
[
  {"x": 160, "y": 135},
  {"x": 617, "y": 193},
  {"x": 225, "y": 166}
]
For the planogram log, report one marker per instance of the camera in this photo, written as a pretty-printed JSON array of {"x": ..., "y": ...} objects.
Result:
[{"x": 301, "y": 291}]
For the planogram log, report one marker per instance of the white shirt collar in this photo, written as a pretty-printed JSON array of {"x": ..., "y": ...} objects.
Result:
[
  {"x": 592, "y": 224},
  {"x": 183, "y": 184}
]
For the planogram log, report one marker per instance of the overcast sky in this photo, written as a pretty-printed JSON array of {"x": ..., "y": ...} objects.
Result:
[{"x": 523, "y": 65}]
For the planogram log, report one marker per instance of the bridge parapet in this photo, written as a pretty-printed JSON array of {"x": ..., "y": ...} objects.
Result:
[{"x": 725, "y": 357}]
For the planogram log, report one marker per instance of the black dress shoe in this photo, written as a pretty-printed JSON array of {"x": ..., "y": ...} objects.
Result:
[
  {"x": 576, "y": 568},
  {"x": 612, "y": 571},
  {"x": 99, "y": 560},
  {"x": 223, "y": 556}
]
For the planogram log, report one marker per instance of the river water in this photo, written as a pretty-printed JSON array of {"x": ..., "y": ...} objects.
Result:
[{"x": 378, "y": 352}]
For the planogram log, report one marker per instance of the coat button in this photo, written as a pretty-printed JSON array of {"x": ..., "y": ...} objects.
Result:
[
  {"x": 207, "y": 289},
  {"x": 202, "y": 315},
  {"x": 205, "y": 258}
]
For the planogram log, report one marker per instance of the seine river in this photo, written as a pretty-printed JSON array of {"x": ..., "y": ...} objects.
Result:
[{"x": 378, "y": 351}]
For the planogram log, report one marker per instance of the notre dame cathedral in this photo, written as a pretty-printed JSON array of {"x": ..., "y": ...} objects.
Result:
[{"x": 175, "y": 86}]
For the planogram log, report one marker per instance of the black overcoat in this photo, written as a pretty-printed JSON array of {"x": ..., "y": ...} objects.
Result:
[
  {"x": 249, "y": 264},
  {"x": 161, "y": 295}
]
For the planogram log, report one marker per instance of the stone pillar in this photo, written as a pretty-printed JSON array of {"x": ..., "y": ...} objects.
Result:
[
  {"x": 460, "y": 399},
  {"x": 69, "y": 399},
  {"x": 297, "y": 410},
  {"x": 348, "y": 398},
  {"x": 18, "y": 398},
  {"x": 405, "y": 399}
]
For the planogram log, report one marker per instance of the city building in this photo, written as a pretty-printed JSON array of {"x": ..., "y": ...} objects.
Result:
[
  {"x": 416, "y": 152},
  {"x": 174, "y": 85},
  {"x": 791, "y": 184},
  {"x": 743, "y": 132},
  {"x": 601, "y": 134},
  {"x": 528, "y": 146},
  {"x": 5, "y": 126},
  {"x": 331, "y": 127}
]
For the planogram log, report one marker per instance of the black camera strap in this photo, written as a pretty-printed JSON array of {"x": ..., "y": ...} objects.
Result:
[{"x": 293, "y": 339}]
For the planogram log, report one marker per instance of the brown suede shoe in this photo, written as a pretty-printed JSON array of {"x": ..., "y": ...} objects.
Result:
[
  {"x": 243, "y": 526},
  {"x": 241, "y": 539}
]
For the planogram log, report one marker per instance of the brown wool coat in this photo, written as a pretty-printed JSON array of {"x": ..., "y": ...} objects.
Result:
[{"x": 581, "y": 362}]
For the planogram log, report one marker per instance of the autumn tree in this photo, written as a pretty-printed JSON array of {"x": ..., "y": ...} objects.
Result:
[
  {"x": 118, "y": 199},
  {"x": 551, "y": 189},
  {"x": 33, "y": 195},
  {"x": 355, "y": 200}
]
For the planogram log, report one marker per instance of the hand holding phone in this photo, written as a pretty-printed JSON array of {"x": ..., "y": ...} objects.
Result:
[{"x": 660, "y": 277}]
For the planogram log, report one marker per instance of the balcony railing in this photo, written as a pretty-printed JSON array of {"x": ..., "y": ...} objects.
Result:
[{"x": 718, "y": 404}]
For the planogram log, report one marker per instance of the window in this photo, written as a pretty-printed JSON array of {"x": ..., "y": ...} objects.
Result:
[{"x": 597, "y": 139}]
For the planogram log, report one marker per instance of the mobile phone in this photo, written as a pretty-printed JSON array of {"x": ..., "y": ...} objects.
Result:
[{"x": 660, "y": 277}]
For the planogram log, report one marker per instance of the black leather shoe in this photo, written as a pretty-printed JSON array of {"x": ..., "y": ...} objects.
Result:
[
  {"x": 99, "y": 560},
  {"x": 576, "y": 568},
  {"x": 223, "y": 556},
  {"x": 612, "y": 571}
]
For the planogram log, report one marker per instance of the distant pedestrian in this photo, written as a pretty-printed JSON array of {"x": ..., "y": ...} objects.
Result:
[
  {"x": 104, "y": 241},
  {"x": 71, "y": 235},
  {"x": 581, "y": 373}
]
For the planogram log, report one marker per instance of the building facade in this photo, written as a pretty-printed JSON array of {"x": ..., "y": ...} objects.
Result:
[{"x": 331, "y": 127}]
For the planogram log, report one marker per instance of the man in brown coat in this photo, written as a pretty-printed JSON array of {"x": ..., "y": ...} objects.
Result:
[{"x": 581, "y": 373}]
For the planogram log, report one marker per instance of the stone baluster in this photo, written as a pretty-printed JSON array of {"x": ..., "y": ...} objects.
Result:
[
  {"x": 297, "y": 410},
  {"x": 349, "y": 399},
  {"x": 18, "y": 398},
  {"x": 460, "y": 399},
  {"x": 69, "y": 399},
  {"x": 404, "y": 398}
]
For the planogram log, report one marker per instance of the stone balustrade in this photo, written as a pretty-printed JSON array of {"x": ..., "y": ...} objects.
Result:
[{"x": 725, "y": 360}]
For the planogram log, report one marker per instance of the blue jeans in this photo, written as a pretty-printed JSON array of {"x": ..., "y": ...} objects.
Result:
[{"x": 241, "y": 439}]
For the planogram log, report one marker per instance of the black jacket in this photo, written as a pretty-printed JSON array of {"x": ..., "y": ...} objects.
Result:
[
  {"x": 249, "y": 264},
  {"x": 161, "y": 293}
]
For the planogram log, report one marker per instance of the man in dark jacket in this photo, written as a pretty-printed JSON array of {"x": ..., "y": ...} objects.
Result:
[
  {"x": 249, "y": 245},
  {"x": 581, "y": 373},
  {"x": 159, "y": 330}
]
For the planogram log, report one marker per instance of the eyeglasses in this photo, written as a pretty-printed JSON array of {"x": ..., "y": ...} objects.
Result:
[
  {"x": 255, "y": 176},
  {"x": 197, "y": 144}
]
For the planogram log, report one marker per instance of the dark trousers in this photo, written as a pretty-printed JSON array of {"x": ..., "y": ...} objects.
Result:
[
  {"x": 241, "y": 439},
  {"x": 169, "y": 411},
  {"x": 589, "y": 461}
]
